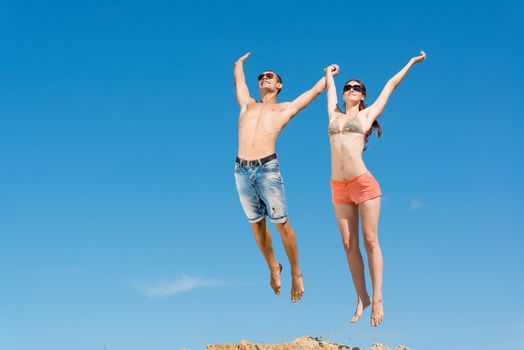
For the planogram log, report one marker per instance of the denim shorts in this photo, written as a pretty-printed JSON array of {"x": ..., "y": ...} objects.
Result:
[{"x": 261, "y": 191}]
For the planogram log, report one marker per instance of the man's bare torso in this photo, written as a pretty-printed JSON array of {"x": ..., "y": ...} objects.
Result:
[{"x": 258, "y": 128}]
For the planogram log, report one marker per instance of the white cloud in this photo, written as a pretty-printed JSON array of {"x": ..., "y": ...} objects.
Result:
[
  {"x": 167, "y": 287},
  {"x": 416, "y": 204}
]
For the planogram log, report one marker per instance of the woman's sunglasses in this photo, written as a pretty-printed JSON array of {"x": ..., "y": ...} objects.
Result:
[{"x": 357, "y": 88}]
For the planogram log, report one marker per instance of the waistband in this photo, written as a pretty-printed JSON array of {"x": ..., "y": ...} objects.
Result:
[
  {"x": 353, "y": 179},
  {"x": 255, "y": 162}
]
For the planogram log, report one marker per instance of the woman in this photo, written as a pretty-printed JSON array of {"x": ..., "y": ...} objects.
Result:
[{"x": 354, "y": 189}]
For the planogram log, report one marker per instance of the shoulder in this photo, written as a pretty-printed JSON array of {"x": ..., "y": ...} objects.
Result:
[
  {"x": 364, "y": 114},
  {"x": 365, "y": 119},
  {"x": 252, "y": 103},
  {"x": 337, "y": 112},
  {"x": 282, "y": 107}
]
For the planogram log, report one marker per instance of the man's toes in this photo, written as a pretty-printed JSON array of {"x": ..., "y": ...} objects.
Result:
[{"x": 376, "y": 320}]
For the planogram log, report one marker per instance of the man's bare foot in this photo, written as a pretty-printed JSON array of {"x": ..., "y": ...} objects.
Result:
[
  {"x": 275, "y": 278},
  {"x": 377, "y": 312},
  {"x": 297, "y": 287},
  {"x": 361, "y": 305}
]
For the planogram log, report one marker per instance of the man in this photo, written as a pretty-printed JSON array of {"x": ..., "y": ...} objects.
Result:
[{"x": 257, "y": 173}]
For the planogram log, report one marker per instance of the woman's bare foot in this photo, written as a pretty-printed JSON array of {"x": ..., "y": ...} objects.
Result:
[
  {"x": 377, "y": 312},
  {"x": 275, "y": 278},
  {"x": 361, "y": 305},
  {"x": 297, "y": 287}
]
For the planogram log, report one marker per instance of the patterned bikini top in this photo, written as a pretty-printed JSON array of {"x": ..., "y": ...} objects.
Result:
[{"x": 352, "y": 125}]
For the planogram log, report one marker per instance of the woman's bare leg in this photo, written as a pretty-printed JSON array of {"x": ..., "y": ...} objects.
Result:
[
  {"x": 347, "y": 220},
  {"x": 369, "y": 213}
]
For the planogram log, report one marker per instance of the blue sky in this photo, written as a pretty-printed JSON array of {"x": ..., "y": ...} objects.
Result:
[{"x": 120, "y": 225}]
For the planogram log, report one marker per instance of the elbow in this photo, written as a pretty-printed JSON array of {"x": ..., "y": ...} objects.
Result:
[
  {"x": 237, "y": 78},
  {"x": 318, "y": 91},
  {"x": 392, "y": 83}
]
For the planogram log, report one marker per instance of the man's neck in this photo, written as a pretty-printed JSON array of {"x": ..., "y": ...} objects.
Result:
[{"x": 270, "y": 98}]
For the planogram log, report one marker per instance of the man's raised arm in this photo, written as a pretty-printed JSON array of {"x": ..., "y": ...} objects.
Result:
[
  {"x": 242, "y": 90},
  {"x": 303, "y": 100}
]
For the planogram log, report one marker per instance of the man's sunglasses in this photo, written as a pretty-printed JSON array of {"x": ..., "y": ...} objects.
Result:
[
  {"x": 268, "y": 75},
  {"x": 357, "y": 88}
]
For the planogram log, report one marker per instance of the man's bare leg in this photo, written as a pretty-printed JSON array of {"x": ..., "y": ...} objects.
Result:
[
  {"x": 347, "y": 220},
  {"x": 264, "y": 242},
  {"x": 289, "y": 241},
  {"x": 369, "y": 212}
]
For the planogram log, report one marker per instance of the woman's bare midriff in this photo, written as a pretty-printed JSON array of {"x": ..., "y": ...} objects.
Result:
[{"x": 346, "y": 156}]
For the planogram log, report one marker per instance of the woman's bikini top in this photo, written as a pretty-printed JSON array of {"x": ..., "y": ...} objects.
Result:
[{"x": 352, "y": 125}]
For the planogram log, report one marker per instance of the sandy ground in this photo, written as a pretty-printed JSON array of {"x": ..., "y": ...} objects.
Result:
[{"x": 302, "y": 343}]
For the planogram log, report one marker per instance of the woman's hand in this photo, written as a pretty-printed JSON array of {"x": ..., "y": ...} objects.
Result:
[
  {"x": 418, "y": 59},
  {"x": 332, "y": 69}
]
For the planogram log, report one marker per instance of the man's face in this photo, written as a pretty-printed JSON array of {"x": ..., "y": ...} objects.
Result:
[{"x": 269, "y": 81}]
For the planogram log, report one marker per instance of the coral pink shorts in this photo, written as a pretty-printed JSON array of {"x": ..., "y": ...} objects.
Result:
[{"x": 356, "y": 190}]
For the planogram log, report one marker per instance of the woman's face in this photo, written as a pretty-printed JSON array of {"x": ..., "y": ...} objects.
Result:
[{"x": 353, "y": 92}]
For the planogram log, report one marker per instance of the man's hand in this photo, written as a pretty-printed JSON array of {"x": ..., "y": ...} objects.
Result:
[
  {"x": 243, "y": 58},
  {"x": 332, "y": 69}
]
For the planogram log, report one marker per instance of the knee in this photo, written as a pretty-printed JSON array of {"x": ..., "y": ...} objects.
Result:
[
  {"x": 350, "y": 248},
  {"x": 371, "y": 243},
  {"x": 284, "y": 227},
  {"x": 285, "y": 230},
  {"x": 259, "y": 226}
]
